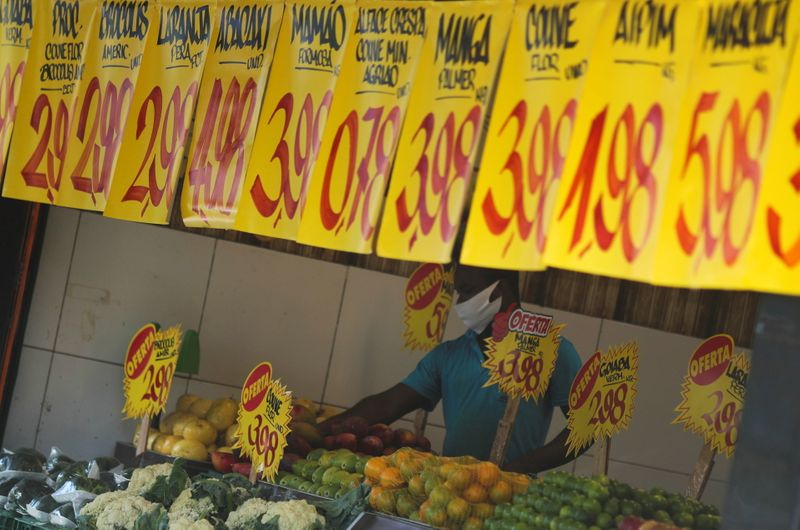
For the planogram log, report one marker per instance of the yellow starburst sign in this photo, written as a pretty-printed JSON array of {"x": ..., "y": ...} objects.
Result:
[
  {"x": 429, "y": 295},
  {"x": 149, "y": 367},
  {"x": 713, "y": 393},
  {"x": 263, "y": 420},
  {"x": 521, "y": 353},
  {"x": 602, "y": 396}
]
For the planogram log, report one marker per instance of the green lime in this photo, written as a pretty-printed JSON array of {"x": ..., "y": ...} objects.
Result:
[
  {"x": 315, "y": 455},
  {"x": 604, "y": 520},
  {"x": 612, "y": 506},
  {"x": 683, "y": 519},
  {"x": 316, "y": 476}
]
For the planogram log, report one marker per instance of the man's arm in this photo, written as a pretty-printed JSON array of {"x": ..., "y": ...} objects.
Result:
[{"x": 385, "y": 407}]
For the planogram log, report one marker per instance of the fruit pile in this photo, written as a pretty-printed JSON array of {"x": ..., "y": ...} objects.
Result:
[
  {"x": 195, "y": 429},
  {"x": 325, "y": 473},
  {"x": 562, "y": 501},
  {"x": 458, "y": 492}
]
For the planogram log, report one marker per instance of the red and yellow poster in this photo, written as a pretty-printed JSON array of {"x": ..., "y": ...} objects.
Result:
[
  {"x": 16, "y": 29},
  {"x": 429, "y": 295},
  {"x": 234, "y": 79},
  {"x": 37, "y": 161},
  {"x": 726, "y": 122},
  {"x": 149, "y": 368},
  {"x": 713, "y": 393},
  {"x": 308, "y": 59},
  {"x": 541, "y": 82},
  {"x": 113, "y": 59},
  {"x": 521, "y": 353},
  {"x": 155, "y": 137},
  {"x": 349, "y": 180},
  {"x": 442, "y": 134}
]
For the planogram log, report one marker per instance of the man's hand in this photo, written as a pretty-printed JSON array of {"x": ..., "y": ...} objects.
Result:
[{"x": 386, "y": 407}]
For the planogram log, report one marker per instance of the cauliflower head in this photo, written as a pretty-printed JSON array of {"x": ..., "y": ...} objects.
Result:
[
  {"x": 144, "y": 477},
  {"x": 96, "y": 507},
  {"x": 123, "y": 512},
  {"x": 245, "y": 514},
  {"x": 292, "y": 515},
  {"x": 186, "y": 523},
  {"x": 185, "y": 507}
]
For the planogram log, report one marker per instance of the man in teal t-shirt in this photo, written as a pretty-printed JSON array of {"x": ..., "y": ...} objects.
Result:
[{"x": 453, "y": 373}]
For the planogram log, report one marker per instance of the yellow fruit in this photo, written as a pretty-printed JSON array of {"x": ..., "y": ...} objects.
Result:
[
  {"x": 165, "y": 443},
  {"x": 151, "y": 438},
  {"x": 200, "y": 407},
  {"x": 200, "y": 430},
  {"x": 222, "y": 413},
  {"x": 230, "y": 434},
  {"x": 150, "y": 433},
  {"x": 167, "y": 424},
  {"x": 181, "y": 422},
  {"x": 501, "y": 492},
  {"x": 457, "y": 510},
  {"x": 185, "y": 401},
  {"x": 487, "y": 474},
  {"x": 190, "y": 449},
  {"x": 224, "y": 449}
]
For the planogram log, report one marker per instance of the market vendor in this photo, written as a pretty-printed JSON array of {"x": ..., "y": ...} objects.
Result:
[{"x": 453, "y": 373}]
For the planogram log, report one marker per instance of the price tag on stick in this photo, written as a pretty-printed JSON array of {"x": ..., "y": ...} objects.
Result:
[{"x": 429, "y": 294}]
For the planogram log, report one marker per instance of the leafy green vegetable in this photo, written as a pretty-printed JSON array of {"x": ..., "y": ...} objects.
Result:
[
  {"x": 25, "y": 491},
  {"x": 272, "y": 524},
  {"x": 157, "y": 519},
  {"x": 218, "y": 491},
  {"x": 85, "y": 522},
  {"x": 236, "y": 479},
  {"x": 340, "y": 513},
  {"x": 74, "y": 470},
  {"x": 166, "y": 489},
  {"x": 21, "y": 462},
  {"x": 104, "y": 463}
]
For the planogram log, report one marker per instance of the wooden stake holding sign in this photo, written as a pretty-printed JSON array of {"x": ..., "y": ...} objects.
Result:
[{"x": 712, "y": 403}]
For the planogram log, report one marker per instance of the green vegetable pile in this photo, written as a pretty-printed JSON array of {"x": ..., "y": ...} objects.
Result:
[{"x": 562, "y": 501}]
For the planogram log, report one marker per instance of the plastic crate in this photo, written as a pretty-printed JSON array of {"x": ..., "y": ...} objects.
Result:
[{"x": 10, "y": 521}]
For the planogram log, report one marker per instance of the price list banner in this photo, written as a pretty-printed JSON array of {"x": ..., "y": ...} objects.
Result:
[
  {"x": 149, "y": 368},
  {"x": 234, "y": 79},
  {"x": 602, "y": 396},
  {"x": 521, "y": 353},
  {"x": 612, "y": 190},
  {"x": 541, "y": 82},
  {"x": 349, "y": 180},
  {"x": 155, "y": 137},
  {"x": 37, "y": 160},
  {"x": 263, "y": 420},
  {"x": 729, "y": 112},
  {"x": 16, "y": 29},
  {"x": 313, "y": 39},
  {"x": 441, "y": 137},
  {"x": 713, "y": 393},
  {"x": 429, "y": 295}
]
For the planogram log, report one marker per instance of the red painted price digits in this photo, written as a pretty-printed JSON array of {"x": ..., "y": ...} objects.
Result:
[
  {"x": 545, "y": 162},
  {"x": 225, "y": 127},
  {"x": 624, "y": 184},
  {"x": 371, "y": 168},
  {"x": 158, "y": 383},
  {"x": 9, "y": 83},
  {"x": 522, "y": 369},
  {"x": 170, "y": 125},
  {"x": 791, "y": 255},
  {"x": 439, "y": 172},
  {"x": 731, "y": 178},
  {"x": 264, "y": 439},
  {"x": 434, "y": 327},
  {"x": 608, "y": 406},
  {"x": 724, "y": 417},
  {"x": 308, "y": 135}
]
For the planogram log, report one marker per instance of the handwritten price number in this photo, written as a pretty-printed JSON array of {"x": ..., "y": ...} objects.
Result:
[
  {"x": 724, "y": 180},
  {"x": 158, "y": 383},
  {"x": 527, "y": 372},
  {"x": 170, "y": 125},
  {"x": 306, "y": 145},
  {"x": 608, "y": 407},
  {"x": 227, "y": 124},
  {"x": 724, "y": 419},
  {"x": 376, "y": 152},
  {"x": 450, "y": 162},
  {"x": 790, "y": 256},
  {"x": 624, "y": 186},
  {"x": 434, "y": 328},
  {"x": 544, "y": 166},
  {"x": 264, "y": 439},
  {"x": 8, "y": 105}
]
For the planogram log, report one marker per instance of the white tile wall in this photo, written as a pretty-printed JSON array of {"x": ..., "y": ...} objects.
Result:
[{"x": 26, "y": 402}]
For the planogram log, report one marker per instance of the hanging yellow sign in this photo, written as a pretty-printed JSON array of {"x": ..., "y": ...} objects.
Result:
[
  {"x": 429, "y": 295},
  {"x": 521, "y": 353},
  {"x": 37, "y": 160},
  {"x": 155, "y": 137},
  {"x": 313, "y": 38},
  {"x": 727, "y": 119},
  {"x": 234, "y": 78},
  {"x": 149, "y": 368},
  {"x": 713, "y": 393},
  {"x": 442, "y": 134},
  {"x": 541, "y": 82},
  {"x": 609, "y": 203},
  {"x": 349, "y": 180},
  {"x": 263, "y": 420},
  {"x": 601, "y": 399},
  {"x": 16, "y": 29}
]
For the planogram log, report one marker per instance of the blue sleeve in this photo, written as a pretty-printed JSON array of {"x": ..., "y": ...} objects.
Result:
[
  {"x": 426, "y": 379},
  {"x": 568, "y": 363}
]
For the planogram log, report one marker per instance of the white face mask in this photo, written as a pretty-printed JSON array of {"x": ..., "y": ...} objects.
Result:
[{"x": 477, "y": 312}]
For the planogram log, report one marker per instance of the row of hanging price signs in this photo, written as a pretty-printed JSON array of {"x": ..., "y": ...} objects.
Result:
[{"x": 645, "y": 139}]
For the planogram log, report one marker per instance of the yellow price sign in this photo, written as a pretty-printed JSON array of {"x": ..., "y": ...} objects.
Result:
[
  {"x": 521, "y": 353},
  {"x": 429, "y": 295},
  {"x": 263, "y": 420},
  {"x": 601, "y": 399},
  {"x": 713, "y": 393},
  {"x": 149, "y": 368}
]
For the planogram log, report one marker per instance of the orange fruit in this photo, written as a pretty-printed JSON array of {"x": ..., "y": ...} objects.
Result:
[
  {"x": 416, "y": 487},
  {"x": 410, "y": 467},
  {"x": 430, "y": 484},
  {"x": 457, "y": 510},
  {"x": 445, "y": 470},
  {"x": 501, "y": 492},
  {"x": 487, "y": 474},
  {"x": 434, "y": 516},
  {"x": 391, "y": 478},
  {"x": 405, "y": 504},
  {"x": 373, "y": 496},
  {"x": 482, "y": 510},
  {"x": 474, "y": 493},
  {"x": 440, "y": 496},
  {"x": 459, "y": 479},
  {"x": 473, "y": 523},
  {"x": 385, "y": 501},
  {"x": 519, "y": 483},
  {"x": 374, "y": 468}
]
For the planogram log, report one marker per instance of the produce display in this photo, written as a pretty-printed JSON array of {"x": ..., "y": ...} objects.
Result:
[{"x": 325, "y": 473}]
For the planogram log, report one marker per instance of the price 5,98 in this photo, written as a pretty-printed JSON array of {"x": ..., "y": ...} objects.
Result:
[{"x": 264, "y": 439}]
